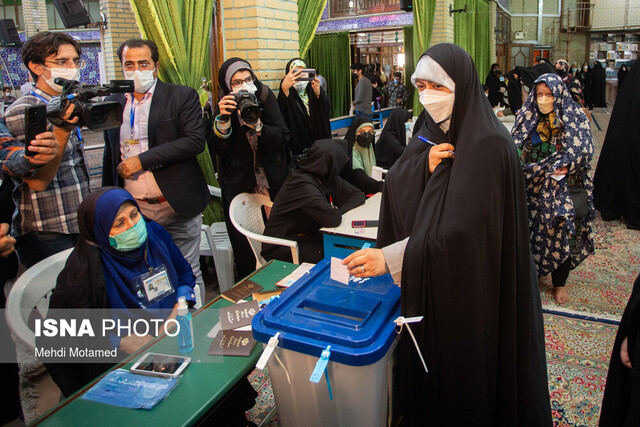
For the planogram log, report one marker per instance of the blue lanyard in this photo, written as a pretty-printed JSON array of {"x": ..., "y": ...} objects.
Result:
[
  {"x": 133, "y": 114},
  {"x": 40, "y": 97},
  {"x": 46, "y": 101}
]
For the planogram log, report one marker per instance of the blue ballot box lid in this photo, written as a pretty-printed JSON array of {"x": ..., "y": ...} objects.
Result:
[{"x": 356, "y": 320}]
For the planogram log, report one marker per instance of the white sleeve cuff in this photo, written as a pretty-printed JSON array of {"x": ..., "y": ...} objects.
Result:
[{"x": 393, "y": 256}]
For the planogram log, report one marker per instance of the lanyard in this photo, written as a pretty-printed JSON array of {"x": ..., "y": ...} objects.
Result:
[
  {"x": 40, "y": 97},
  {"x": 133, "y": 114},
  {"x": 46, "y": 101}
]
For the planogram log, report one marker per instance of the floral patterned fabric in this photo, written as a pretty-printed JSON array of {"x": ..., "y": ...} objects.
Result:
[{"x": 554, "y": 232}]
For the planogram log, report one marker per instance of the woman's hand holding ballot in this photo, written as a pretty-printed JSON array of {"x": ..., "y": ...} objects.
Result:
[{"x": 366, "y": 263}]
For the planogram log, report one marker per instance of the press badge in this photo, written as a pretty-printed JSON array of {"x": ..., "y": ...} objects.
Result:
[
  {"x": 131, "y": 148},
  {"x": 152, "y": 286}
]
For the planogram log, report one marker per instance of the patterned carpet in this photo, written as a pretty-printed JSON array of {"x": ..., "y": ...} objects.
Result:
[
  {"x": 578, "y": 353},
  {"x": 601, "y": 285}
]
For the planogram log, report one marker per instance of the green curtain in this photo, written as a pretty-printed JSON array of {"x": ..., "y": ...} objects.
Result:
[
  {"x": 330, "y": 55},
  {"x": 423, "y": 14},
  {"x": 309, "y": 14},
  {"x": 181, "y": 29},
  {"x": 409, "y": 68},
  {"x": 472, "y": 32}
]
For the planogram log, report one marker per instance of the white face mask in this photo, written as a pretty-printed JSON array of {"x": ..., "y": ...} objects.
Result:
[
  {"x": 65, "y": 73},
  {"x": 249, "y": 87},
  {"x": 300, "y": 86},
  {"x": 438, "y": 104},
  {"x": 585, "y": 68},
  {"x": 545, "y": 104},
  {"x": 142, "y": 80}
]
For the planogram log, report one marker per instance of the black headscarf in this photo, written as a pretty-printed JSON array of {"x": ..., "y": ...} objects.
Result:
[
  {"x": 305, "y": 128},
  {"x": 312, "y": 197},
  {"x": 467, "y": 268},
  {"x": 526, "y": 77},
  {"x": 622, "y": 74},
  {"x": 494, "y": 84},
  {"x": 621, "y": 401},
  {"x": 358, "y": 177},
  {"x": 598, "y": 85},
  {"x": 616, "y": 190},
  {"x": 393, "y": 138}
]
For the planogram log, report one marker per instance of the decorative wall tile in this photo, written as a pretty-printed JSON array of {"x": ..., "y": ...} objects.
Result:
[{"x": 365, "y": 22}]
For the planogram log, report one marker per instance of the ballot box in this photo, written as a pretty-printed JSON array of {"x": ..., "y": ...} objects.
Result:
[{"x": 341, "y": 336}]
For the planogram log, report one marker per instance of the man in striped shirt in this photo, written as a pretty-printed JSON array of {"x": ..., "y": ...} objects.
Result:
[{"x": 48, "y": 191}]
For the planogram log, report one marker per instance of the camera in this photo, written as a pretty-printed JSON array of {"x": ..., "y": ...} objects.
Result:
[
  {"x": 94, "y": 115},
  {"x": 248, "y": 106},
  {"x": 307, "y": 75}
]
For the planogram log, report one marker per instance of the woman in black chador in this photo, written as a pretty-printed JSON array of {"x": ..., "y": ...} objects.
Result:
[
  {"x": 621, "y": 402},
  {"x": 251, "y": 154},
  {"x": 617, "y": 180},
  {"x": 467, "y": 266},
  {"x": 312, "y": 197},
  {"x": 304, "y": 106},
  {"x": 598, "y": 85},
  {"x": 393, "y": 138}
]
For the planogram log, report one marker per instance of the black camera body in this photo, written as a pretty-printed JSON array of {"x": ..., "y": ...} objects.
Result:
[
  {"x": 248, "y": 106},
  {"x": 96, "y": 116}
]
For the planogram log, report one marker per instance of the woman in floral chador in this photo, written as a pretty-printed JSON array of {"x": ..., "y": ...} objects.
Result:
[{"x": 553, "y": 137}]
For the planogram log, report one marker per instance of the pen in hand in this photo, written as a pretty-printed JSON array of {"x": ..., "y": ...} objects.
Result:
[{"x": 423, "y": 139}]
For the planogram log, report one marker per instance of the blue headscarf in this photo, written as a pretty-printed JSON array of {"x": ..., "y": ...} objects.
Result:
[{"x": 120, "y": 268}]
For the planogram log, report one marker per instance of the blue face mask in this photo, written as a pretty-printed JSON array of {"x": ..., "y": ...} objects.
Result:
[{"x": 130, "y": 239}]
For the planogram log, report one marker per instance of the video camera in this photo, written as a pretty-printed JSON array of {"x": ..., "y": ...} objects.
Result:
[
  {"x": 94, "y": 115},
  {"x": 248, "y": 106}
]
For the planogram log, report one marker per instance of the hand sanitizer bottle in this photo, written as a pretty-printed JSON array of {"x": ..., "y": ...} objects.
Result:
[{"x": 185, "y": 336}]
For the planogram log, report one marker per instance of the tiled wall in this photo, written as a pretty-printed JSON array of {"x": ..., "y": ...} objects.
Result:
[{"x": 443, "y": 25}]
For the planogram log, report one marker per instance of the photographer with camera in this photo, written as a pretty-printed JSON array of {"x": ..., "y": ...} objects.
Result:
[
  {"x": 251, "y": 140},
  {"x": 304, "y": 106},
  {"x": 153, "y": 154},
  {"x": 50, "y": 184}
]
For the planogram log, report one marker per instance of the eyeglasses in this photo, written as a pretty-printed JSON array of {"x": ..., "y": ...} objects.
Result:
[
  {"x": 238, "y": 82},
  {"x": 142, "y": 66},
  {"x": 68, "y": 63}
]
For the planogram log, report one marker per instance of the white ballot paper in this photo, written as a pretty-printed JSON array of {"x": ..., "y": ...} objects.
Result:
[{"x": 339, "y": 272}]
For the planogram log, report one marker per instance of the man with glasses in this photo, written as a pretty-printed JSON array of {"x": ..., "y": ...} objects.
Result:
[
  {"x": 49, "y": 185},
  {"x": 153, "y": 153}
]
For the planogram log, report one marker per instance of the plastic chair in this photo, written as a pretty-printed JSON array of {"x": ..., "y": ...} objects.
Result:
[
  {"x": 378, "y": 173},
  {"x": 246, "y": 215},
  {"x": 32, "y": 290},
  {"x": 214, "y": 242}
]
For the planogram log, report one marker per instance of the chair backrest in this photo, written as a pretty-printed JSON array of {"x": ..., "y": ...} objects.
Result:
[
  {"x": 30, "y": 291},
  {"x": 378, "y": 173},
  {"x": 245, "y": 211}
]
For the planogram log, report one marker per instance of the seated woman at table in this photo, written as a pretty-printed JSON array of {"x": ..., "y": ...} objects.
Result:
[
  {"x": 116, "y": 246},
  {"x": 312, "y": 197},
  {"x": 357, "y": 171},
  {"x": 393, "y": 138}
]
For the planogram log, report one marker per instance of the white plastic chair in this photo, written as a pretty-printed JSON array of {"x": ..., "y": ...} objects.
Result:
[
  {"x": 214, "y": 242},
  {"x": 32, "y": 290},
  {"x": 378, "y": 173},
  {"x": 246, "y": 215}
]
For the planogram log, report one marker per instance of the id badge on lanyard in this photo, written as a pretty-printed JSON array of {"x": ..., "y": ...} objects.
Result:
[{"x": 152, "y": 286}]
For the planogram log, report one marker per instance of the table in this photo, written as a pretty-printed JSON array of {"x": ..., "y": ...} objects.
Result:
[
  {"x": 202, "y": 385},
  {"x": 342, "y": 240}
]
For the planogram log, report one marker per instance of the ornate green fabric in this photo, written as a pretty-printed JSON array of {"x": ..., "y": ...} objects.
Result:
[
  {"x": 330, "y": 54},
  {"x": 472, "y": 32},
  {"x": 309, "y": 14},
  {"x": 423, "y": 14}
]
